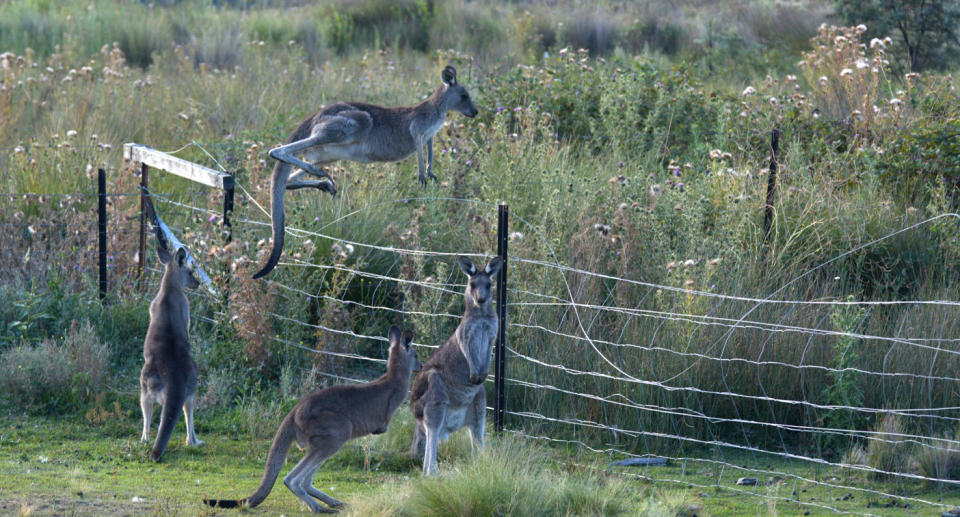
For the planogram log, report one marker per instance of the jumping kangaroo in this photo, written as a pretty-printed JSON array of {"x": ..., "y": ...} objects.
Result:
[
  {"x": 362, "y": 133},
  {"x": 448, "y": 392},
  {"x": 326, "y": 419},
  {"x": 169, "y": 375}
]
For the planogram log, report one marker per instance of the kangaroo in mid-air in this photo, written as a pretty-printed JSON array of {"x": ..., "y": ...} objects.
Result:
[
  {"x": 325, "y": 420},
  {"x": 361, "y": 133},
  {"x": 169, "y": 374},
  {"x": 448, "y": 392}
]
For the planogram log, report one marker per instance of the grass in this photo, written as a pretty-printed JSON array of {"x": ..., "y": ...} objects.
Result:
[
  {"x": 72, "y": 466},
  {"x": 644, "y": 160}
]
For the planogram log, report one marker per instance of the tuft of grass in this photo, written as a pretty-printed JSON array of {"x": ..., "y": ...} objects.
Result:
[
  {"x": 512, "y": 478},
  {"x": 939, "y": 459},
  {"x": 891, "y": 455}
]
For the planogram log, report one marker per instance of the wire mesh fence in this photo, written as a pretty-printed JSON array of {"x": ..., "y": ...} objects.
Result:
[{"x": 796, "y": 387}]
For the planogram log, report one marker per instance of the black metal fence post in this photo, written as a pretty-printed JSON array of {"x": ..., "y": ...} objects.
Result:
[
  {"x": 102, "y": 229},
  {"x": 771, "y": 186},
  {"x": 228, "y": 208},
  {"x": 499, "y": 407},
  {"x": 142, "y": 254}
]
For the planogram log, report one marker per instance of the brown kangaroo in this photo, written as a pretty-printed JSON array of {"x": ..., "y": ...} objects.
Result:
[
  {"x": 325, "y": 420},
  {"x": 448, "y": 392},
  {"x": 169, "y": 374},
  {"x": 362, "y": 133}
]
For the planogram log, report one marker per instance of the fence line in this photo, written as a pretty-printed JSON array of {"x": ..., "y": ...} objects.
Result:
[
  {"x": 542, "y": 377},
  {"x": 726, "y": 465},
  {"x": 692, "y": 389}
]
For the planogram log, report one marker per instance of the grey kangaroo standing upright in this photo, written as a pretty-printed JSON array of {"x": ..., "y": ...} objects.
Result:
[
  {"x": 448, "y": 393},
  {"x": 326, "y": 419},
  {"x": 361, "y": 133},
  {"x": 169, "y": 374}
]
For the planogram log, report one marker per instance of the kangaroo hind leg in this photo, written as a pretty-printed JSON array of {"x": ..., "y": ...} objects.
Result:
[
  {"x": 306, "y": 468},
  {"x": 476, "y": 414},
  {"x": 434, "y": 413},
  {"x": 146, "y": 407},
  {"x": 307, "y": 484},
  {"x": 296, "y": 181},
  {"x": 188, "y": 418},
  {"x": 327, "y": 438}
]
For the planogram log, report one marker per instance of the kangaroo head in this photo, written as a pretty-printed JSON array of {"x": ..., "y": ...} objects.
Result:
[
  {"x": 456, "y": 96},
  {"x": 480, "y": 283},
  {"x": 178, "y": 266},
  {"x": 400, "y": 346}
]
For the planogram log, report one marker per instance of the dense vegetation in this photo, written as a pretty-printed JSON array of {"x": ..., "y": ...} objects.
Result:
[{"x": 629, "y": 140}]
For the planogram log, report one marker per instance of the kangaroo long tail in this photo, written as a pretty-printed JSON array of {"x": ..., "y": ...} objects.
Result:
[
  {"x": 172, "y": 403},
  {"x": 281, "y": 173},
  {"x": 278, "y": 453}
]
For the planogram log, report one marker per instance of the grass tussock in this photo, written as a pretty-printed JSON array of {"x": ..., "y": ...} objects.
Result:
[
  {"x": 509, "y": 477},
  {"x": 940, "y": 459},
  {"x": 54, "y": 374},
  {"x": 891, "y": 456}
]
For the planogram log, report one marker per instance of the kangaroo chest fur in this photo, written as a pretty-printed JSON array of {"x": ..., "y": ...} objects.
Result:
[{"x": 472, "y": 338}]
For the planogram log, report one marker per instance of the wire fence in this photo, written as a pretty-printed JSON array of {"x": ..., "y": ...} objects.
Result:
[{"x": 720, "y": 385}]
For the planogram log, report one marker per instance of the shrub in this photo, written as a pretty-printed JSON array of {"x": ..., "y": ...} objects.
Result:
[
  {"x": 846, "y": 77},
  {"x": 53, "y": 376},
  {"x": 35, "y": 377}
]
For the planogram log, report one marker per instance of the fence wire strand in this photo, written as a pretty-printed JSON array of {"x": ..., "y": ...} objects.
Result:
[{"x": 545, "y": 319}]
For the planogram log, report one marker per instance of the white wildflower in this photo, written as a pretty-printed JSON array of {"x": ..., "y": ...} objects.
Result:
[
  {"x": 845, "y": 71},
  {"x": 749, "y": 90}
]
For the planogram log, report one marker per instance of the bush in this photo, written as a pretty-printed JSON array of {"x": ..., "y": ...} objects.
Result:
[{"x": 53, "y": 376}]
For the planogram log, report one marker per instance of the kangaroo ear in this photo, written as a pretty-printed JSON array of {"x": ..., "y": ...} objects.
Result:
[
  {"x": 466, "y": 265},
  {"x": 163, "y": 253},
  {"x": 449, "y": 75},
  {"x": 395, "y": 335},
  {"x": 493, "y": 267},
  {"x": 407, "y": 338},
  {"x": 181, "y": 257}
]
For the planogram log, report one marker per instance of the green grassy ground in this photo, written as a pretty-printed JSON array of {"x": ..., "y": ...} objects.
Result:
[{"x": 73, "y": 467}]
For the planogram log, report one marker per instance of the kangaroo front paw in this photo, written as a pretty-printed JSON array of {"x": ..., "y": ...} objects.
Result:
[
  {"x": 433, "y": 177},
  {"x": 423, "y": 180},
  {"x": 194, "y": 443}
]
